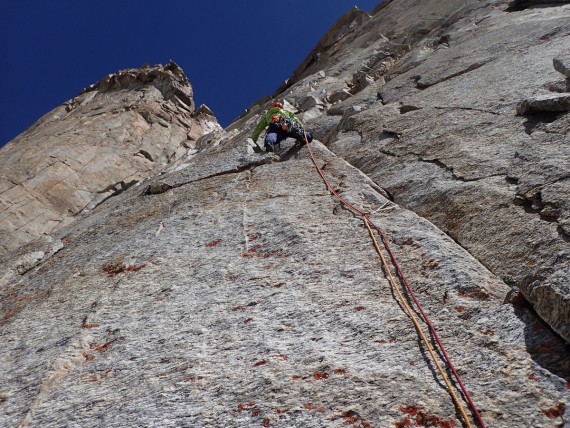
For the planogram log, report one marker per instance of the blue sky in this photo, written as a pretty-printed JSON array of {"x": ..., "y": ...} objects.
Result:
[{"x": 233, "y": 52}]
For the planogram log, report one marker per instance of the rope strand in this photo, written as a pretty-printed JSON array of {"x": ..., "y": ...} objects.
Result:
[
  {"x": 431, "y": 328},
  {"x": 417, "y": 324},
  {"x": 401, "y": 275}
]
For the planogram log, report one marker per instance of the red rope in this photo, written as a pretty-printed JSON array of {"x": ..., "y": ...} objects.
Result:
[{"x": 431, "y": 328}]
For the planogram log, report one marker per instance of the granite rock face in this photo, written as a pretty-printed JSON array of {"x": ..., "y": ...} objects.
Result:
[
  {"x": 244, "y": 295},
  {"x": 231, "y": 289},
  {"x": 467, "y": 124},
  {"x": 114, "y": 134}
]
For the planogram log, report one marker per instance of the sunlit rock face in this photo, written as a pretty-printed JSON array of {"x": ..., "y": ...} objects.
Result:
[
  {"x": 227, "y": 287},
  {"x": 459, "y": 110},
  {"x": 115, "y": 134}
]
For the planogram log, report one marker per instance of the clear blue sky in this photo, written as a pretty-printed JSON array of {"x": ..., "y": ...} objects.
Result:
[{"x": 233, "y": 52}]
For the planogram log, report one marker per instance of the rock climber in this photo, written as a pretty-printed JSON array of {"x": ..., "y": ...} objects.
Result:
[{"x": 280, "y": 124}]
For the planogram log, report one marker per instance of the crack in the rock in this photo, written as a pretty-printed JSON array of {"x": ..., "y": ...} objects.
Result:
[
  {"x": 36, "y": 173},
  {"x": 145, "y": 155},
  {"x": 481, "y": 20},
  {"x": 520, "y": 5},
  {"x": 10, "y": 188},
  {"x": 454, "y": 175},
  {"x": 469, "y": 69},
  {"x": 244, "y": 210},
  {"x": 467, "y": 108},
  {"x": 115, "y": 189},
  {"x": 33, "y": 220},
  {"x": 162, "y": 187},
  {"x": 406, "y": 108},
  {"x": 562, "y": 233},
  {"x": 441, "y": 165},
  {"x": 387, "y": 153},
  {"x": 118, "y": 187}
]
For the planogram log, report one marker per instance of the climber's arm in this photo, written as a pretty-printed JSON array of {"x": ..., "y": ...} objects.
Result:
[{"x": 263, "y": 123}]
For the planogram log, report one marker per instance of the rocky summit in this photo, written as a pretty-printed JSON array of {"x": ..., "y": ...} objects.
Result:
[
  {"x": 158, "y": 270},
  {"x": 115, "y": 134}
]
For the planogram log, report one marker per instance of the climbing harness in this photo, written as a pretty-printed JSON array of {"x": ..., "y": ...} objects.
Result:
[{"x": 370, "y": 225}]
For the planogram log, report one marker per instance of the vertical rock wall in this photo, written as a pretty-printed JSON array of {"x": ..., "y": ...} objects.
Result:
[
  {"x": 231, "y": 289},
  {"x": 459, "y": 111},
  {"x": 116, "y": 133}
]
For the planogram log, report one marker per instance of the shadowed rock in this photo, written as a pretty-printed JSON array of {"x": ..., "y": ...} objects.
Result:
[
  {"x": 562, "y": 64},
  {"x": 545, "y": 103}
]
